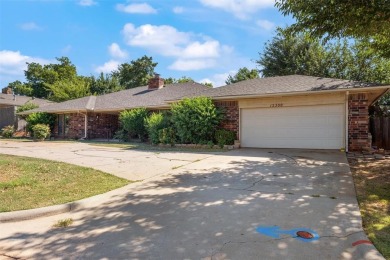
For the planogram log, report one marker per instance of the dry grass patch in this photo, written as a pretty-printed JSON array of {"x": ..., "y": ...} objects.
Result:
[
  {"x": 372, "y": 182},
  {"x": 27, "y": 183}
]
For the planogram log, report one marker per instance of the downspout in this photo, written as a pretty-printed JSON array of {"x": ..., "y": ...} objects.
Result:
[{"x": 346, "y": 120}]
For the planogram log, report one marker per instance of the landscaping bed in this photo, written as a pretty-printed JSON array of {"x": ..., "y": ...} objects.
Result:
[
  {"x": 27, "y": 183},
  {"x": 372, "y": 183}
]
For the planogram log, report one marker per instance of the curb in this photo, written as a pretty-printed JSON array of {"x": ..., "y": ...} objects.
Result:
[
  {"x": 28, "y": 214},
  {"x": 37, "y": 213}
]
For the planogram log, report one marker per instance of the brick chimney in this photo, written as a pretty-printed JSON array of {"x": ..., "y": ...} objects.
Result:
[
  {"x": 7, "y": 90},
  {"x": 156, "y": 82}
]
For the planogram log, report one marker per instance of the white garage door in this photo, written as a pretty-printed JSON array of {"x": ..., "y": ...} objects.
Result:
[{"x": 315, "y": 127}]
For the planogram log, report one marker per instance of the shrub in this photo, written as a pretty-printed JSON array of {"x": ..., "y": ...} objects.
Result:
[
  {"x": 28, "y": 106},
  {"x": 167, "y": 136},
  {"x": 195, "y": 119},
  {"x": 41, "y": 131},
  {"x": 8, "y": 131},
  {"x": 40, "y": 118},
  {"x": 133, "y": 121},
  {"x": 154, "y": 123},
  {"x": 225, "y": 137}
]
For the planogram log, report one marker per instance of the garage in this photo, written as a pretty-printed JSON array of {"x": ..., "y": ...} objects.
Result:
[{"x": 311, "y": 127}]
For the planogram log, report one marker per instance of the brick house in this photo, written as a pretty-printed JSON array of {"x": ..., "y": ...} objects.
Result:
[{"x": 277, "y": 112}]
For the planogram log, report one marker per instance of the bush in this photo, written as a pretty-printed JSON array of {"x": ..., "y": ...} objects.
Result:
[
  {"x": 28, "y": 106},
  {"x": 225, "y": 137},
  {"x": 133, "y": 121},
  {"x": 40, "y": 118},
  {"x": 154, "y": 123},
  {"x": 8, "y": 131},
  {"x": 41, "y": 131},
  {"x": 195, "y": 119},
  {"x": 167, "y": 136}
]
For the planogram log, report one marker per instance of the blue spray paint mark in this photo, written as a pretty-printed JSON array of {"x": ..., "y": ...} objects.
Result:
[{"x": 302, "y": 234}]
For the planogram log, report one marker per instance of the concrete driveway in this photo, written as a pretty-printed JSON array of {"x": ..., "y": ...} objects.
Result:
[{"x": 244, "y": 204}]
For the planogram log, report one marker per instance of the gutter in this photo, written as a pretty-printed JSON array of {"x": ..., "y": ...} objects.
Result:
[
  {"x": 264, "y": 95},
  {"x": 346, "y": 121}
]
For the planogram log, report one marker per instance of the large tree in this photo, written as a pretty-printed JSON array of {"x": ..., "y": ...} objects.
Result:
[
  {"x": 183, "y": 79},
  {"x": 368, "y": 19},
  {"x": 39, "y": 76},
  {"x": 289, "y": 54},
  {"x": 136, "y": 73},
  {"x": 242, "y": 74},
  {"x": 104, "y": 83}
]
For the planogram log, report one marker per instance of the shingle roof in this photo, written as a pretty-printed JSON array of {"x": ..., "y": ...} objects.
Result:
[
  {"x": 283, "y": 84},
  {"x": 126, "y": 99},
  {"x": 9, "y": 99}
]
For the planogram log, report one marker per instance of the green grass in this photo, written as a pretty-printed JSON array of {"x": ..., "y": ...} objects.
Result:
[
  {"x": 372, "y": 182},
  {"x": 27, "y": 183},
  {"x": 63, "y": 223}
]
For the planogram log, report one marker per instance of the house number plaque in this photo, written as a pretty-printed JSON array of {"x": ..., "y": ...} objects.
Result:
[{"x": 276, "y": 105}]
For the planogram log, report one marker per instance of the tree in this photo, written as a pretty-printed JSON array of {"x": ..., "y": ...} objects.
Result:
[
  {"x": 104, "y": 84},
  {"x": 28, "y": 106},
  {"x": 208, "y": 84},
  {"x": 183, "y": 79},
  {"x": 20, "y": 88},
  {"x": 347, "y": 18},
  {"x": 300, "y": 54},
  {"x": 68, "y": 89},
  {"x": 242, "y": 74},
  {"x": 136, "y": 73}
]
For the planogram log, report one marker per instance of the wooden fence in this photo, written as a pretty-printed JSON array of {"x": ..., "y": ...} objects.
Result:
[{"x": 380, "y": 130}]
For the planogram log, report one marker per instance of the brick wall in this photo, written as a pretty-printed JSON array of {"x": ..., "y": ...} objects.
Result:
[
  {"x": 231, "y": 110},
  {"x": 358, "y": 122},
  {"x": 99, "y": 126},
  {"x": 102, "y": 125}
]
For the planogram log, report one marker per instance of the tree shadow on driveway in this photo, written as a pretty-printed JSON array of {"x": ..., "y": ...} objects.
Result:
[{"x": 199, "y": 212}]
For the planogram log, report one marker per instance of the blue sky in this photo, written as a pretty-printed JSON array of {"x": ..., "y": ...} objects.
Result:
[{"x": 203, "y": 39}]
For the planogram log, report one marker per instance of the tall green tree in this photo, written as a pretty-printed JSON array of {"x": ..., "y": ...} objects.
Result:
[
  {"x": 39, "y": 76},
  {"x": 104, "y": 84},
  {"x": 136, "y": 73},
  {"x": 63, "y": 90},
  {"x": 20, "y": 88},
  {"x": 183, "y": 79},
  {"x": 289, "y": 54},
  {"x": 242, "y": 74},
  {"x": 368, "y": 19}
]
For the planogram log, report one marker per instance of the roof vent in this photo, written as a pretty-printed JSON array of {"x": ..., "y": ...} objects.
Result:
[{"x": 156, "y": 82}]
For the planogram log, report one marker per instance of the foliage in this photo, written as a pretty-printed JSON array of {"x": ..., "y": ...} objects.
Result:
[
  {"x": 348, "y": 18},
  {"x": 27, "y": 106},
  {"x": 167, "y": 136},
  {"x": 39, "y": 77},
  {"x": 225, "y": 137},
  {"x": 136, "y": 73},
  {"x": 8, "y": 131},
  {"x": 242, "y": 74},
  {"x": 183, "y": 79},
  {"x": 133, "y": 121},
  {"x": 300, "y": 54},
  {"x": 154, "y": 123},
  {"x": 195, "y": 119},
  {"x": 21, "y": 89},
  {"x": 104, "y": 84},
  {"x": 208, "y": 84},
  {"x": 63, "y": 90},
  {"x": 41, "y": 131},
  {"x": 40, "y": 118}
]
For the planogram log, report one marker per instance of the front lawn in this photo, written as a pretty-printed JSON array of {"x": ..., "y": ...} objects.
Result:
[
  {"x": 372, "y": 182},
  {"x": 27, "y": 183}
]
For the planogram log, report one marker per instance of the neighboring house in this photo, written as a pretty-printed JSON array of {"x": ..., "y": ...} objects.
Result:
[
  {"x": 277, "y": 112},
  {"x": 99, "y": 114},
  {"x": 8, "y": 106}
]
